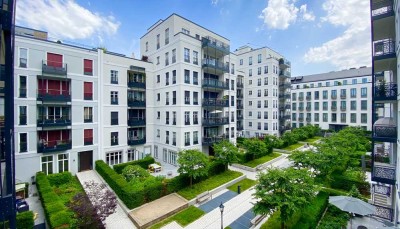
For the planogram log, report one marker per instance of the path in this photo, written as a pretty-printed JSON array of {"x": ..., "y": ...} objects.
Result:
[{"x": 119, "y": 219}]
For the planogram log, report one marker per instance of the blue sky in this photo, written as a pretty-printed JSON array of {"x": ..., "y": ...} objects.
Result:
[{"x": 316, "y": 36}]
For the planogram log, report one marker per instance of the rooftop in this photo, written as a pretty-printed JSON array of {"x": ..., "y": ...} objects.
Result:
[{"x": 348, "y": 73}]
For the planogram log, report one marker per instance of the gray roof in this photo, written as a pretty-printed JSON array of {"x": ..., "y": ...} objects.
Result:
[{"x": 350, "y": 73}]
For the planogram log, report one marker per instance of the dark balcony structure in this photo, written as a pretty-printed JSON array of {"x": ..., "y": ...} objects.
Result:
[
  {"x": 382, "y": 9},
  {"x": 215, "y": 103},
  {"x": 209, "y": 141},
  {"x": 215, "y": 84},
  {"x": 215, "y": 66},
  {"x": 284, "y": 63},
  {"x": 239, "y": 84},
  {"x": 385, "y": 91},
  {"x": 136, "y": 121},
  {"x": 53, "y": 122},
  {"x": 284, "y": 73},
  {"x": 215, "y": 121},
  {"x": 54, "y": 146},
  {"x": 136, "y": 77},
  {"x": 239, "y": 106},
  {"x": 285, "y": 85},
  {"x": 136, "y": 103},
  {"x": 384, "y": 49},
  {"x": 385, "y": 130},
  {"x": 212, "y": 45},
  {"x": 54, "y": 68},
  {"x": 136, "y": 141}
]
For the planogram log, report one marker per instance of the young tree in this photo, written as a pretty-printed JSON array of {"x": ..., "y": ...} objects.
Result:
[
  {"x": 226, "y": 153},
  {"x": 92, "y": 208},
  {"x": 131, "y": 172},
  {"x": 193, "y": 163},
  {"x": 287, "y": 190},
  {"x": 354, "y": 192},
  {"x": 255, "y": 146}
]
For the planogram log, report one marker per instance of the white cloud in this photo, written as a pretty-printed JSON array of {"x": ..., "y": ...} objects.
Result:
[
  {"x": 64, "y": 19},
  {"x": 214, "y": 2},
  {"x": 352, "y": 48},
  {"x": 280, "y": 14}
]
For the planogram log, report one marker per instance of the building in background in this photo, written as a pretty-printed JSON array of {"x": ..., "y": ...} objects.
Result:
[
  {"x": 333, "y": 100},
  {"x": 385, "y": 109}
]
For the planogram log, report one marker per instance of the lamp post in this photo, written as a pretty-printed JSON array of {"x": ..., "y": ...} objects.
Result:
[{"x": 221, "y": 208}]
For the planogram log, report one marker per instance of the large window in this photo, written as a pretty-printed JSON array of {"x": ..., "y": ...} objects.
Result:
[
  {"x": 158, "y": 41},
  {"x": 353, "y": 92},
  {"x": 114, "y": 158},
  {"x": 195, "y": 98},
  {"x": 22, "y": 86},
  {"x": 22, "y": 115},
  {"x": 88, "y": 91},
  {"x": 353, "y": 117},
  {"x": 88, "y": 137},
  {"x": 47, "y": 164},
  {"x": 114, "y": 138},
  {"x": 187, "y": 117},
  {"x": 250, "y": 60},
  {"x": 187, "y": 97},
  {"x": 195, "y": 58},
  {"x": 259, "y": 58},
  {"x": 166, "y": 58},
  {"x": 155, "y": 154},
  {"x": 187, "y": 138},
  {"x": 23, "y": 142},
  {"x": 88, "y": 67},
  {"x": 114, "y": 76},
  {"x": 353, "y": 105},
  {"x": 195, "y": 78},
  {"x": 114, "y": 118},
  {"x": 62, "y": 162},
  {"x": 195, "y": 117},
  {"x": 167, "y": 137},
  {"x": 195, "y": 137},
  {"x": 174, "y": 138},
  {"x": 364, "y": 104},
  {"x": 364, "y": 118},
  {"x": 187, "y": 76},
  {"x": 167, "y": 36},
  {"x": 186, "y": 55},
  {"x": 363, "y": 92},
  {"x": 173, "y": 55},
  {"x": 88, "y": 114},
  {"x": 23, "y": 57},
  {"x": 114, "y": 97}
]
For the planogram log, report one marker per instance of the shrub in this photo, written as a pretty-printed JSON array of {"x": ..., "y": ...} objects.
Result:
[
  {"x": 344, "y": 183},
  {"x": 25, "y": 220},
  {"x": 216, "y": 168},
  {"x": 59, "y": 178},
  {"x": 177, "y": 183},
  {"x": 153, "y": 188},
  {"x": 61, "y": 219},
  {"x": 134, "y": 171},
  {"x": 144, "y": 163},
  {"x": 311, "y": 214}
]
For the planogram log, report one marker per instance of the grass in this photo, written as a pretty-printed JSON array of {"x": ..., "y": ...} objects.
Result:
[
  {"x": 244, "y": 185},
  {"x": 68, "y": 190},
  {"x": 313, "y": 139},
  {"x": 261, "y": 160},
  {"x": 293, "y": 147},
  {"x": 274, "y": 222},
  {"x": 208, "y": 184},
  {"x": 334, "y": 218},
  {"x": 184, "y": 217}
]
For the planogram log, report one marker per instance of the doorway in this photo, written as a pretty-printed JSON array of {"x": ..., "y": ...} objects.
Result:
[{"x": 85, "y": 160}]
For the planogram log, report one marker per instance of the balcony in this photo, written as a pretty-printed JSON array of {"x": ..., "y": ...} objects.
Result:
[
  {"x": 239, "y": 127},
  {"x": 239, "y": 106},
  {"x": 283, "y": 63},
  {"x": 54, "y": 146},
  {"x": 285, "y": 85},
  {"x": 308, "y": 108},
  {"x": 136, "y": 103},
  {"x": 384, "y": 173},
  {"x": 136, "y": 121},
  {"x": 54, "y": 68},
  {"x": 284, "y": 73},
  {"x": 215, "y": 66},
  {"x": 51, "y": 122},
  {"x": 301, "y": 119},
  {"x": 137, "y": 84},
  {"x": 385, "y": 130},
  {"x": 308, "y": 119},
  {"x": 215, "y": 103},
  {"x": 209, "y": 141},
  {"x": 308, "y": 97},
  {"x": 215, "y": 84},
  {"x": 382, "y": 9},
  {"x": 301, "y": 98},
  {"x": 211, "y": 121},
  {"x": 384, "y": 49},
  {"x": 284, "y": 96},
  {"x": 286, "y": 117},
  {"x": 385, "y": 91},
  {"x": 239, "y": 84},
  {"x": 134, "y": 141},
  {"x": 54, "y": 96},
  {"x": 333, "y": 96},
  {"x": 333, "y": 108},
  {"x": 239, "y": 117},
  {"x": 239, "y": 96},
  {"x": 212, "y": 45},
  {"x": 284, "y": 107},
  {"x": 342, "y": 108}
]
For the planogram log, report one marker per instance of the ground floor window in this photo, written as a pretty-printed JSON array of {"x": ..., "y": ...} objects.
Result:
[
  {"x": 62, "y": 162},
  {"x": 165, "y": 152},
  {"x": 47, "y": 164},
  {"x": 114, "y": 158},
  {"x": 172, "y": 156},
  {"x": 134, "y": 154},
  {"x": 155, "y": 151}
]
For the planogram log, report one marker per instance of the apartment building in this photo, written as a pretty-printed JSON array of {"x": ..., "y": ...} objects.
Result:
[
  {"x": 333, "y": 100},
  {"x": 192, "y": 94},
  {"x": 265, "y": 98},
  {"x": 385, "y": 161}
]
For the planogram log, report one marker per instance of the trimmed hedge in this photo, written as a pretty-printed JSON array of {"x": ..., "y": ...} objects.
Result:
[
  {"x": 312, "y": 213},
  {"x": 58, "y": 179},
  {"x": 25, "y": 220},
  {"x": 57, "y": 214},
  {"x": 344, "y": 183},
  {"x": 144, "y": 163}
]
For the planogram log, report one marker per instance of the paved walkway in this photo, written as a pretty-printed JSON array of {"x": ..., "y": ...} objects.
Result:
[
  {"x": 216, "y": 201},
  {"x": 117, "y": 220}
]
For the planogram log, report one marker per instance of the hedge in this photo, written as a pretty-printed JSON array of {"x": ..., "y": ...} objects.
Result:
[
  {"x": 144, "y": 163},
  {"x": 344, "y": 183},
  {"x": 57, "y": 214},
  {"x": 58, "y": 179},
  {"x": 25, "y": 220},
  {"x": 313, "y": 213}
]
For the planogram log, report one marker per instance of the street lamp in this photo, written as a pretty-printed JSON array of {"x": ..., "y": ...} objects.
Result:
[{"x": 221, "y": 208}]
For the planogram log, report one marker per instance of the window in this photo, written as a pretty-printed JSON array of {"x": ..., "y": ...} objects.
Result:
[
  {"x": 343, "y": 117},
  {"x": 88, "y": 91},
  {"x": 353, "y": 92},
  {"x": 250, "y": 72},
  {"x": 187, "y": 76},
  {"x": 114, "y": 158},
  {"x": 195, "y": 58},
  {"x": 155, "y": 152},
  {"x": 173, "y": 55},
  {"x": 327, "y": 84},
  {"x": 195, "y": 137},
  {"x": 186, "y": 55},
  {"x": 166, "y": 98},
  {"x": 166, "y": 59},
  {"x": 158, "y": 60},
  {"x": 187, "y": 138},
  {"x": 232, "y": 68},
  {"x": 167, "y": 137},
  {"x": 232, "y": 116},
  {"x": 114, "y": 118},
  {"x": 174, "y": 77},
  {"x": 316, "y": 106},
  {"x": 241, "y": 62},
  {"x": 363, "y": 92},
  {"x": 344, "y": 82},
  {"x": 114, "y": 77},
  {"x": 294, "y": 106},
  {"x": 333, "y": 94},
  {"x": 325, "y": 117},
  {"x": 259, "y": 82},
  {"x": 158, "y": 97},
  {"x": 23, "y": 115},
  {"x": 187, "y": 97},
  {"x": 195, "y": 78},
  {"x": 167, "y": 117},
  {"x": 258, "y": 104},
  {"x": 364, "y": 118},
  {"x": 174, "y": 138},
  {"x": 174, "y": 98},
  {"x": 259, "y": 58},
  {"x": 87, "y": 67},
  {"x": 158, "y": 114},
  {"x": 167, "y": 36},
  {"x": 173, "y": 117},
  {"x": 158, "y": 41},
  {"x": 114, "y": 138},
  {"x": 114, "y": 97},
  {"x": 333, "y": 117},
  {"x": 325, "y": 94},
  {"x": 316, "y": 95},
  {"x": 250, "y": 124},
  {"x": 343, "y": 105},
  {"x": 62, "y": 162},
  {"x": 258, "y": 93},
  {"x": 22, "y": 86},
  {"x": 259, "y": 126},
  {"x": 166, "y": 78},
  {"x": 87, "y": 114},
  {"x": 363, "y": 104},
  {"x": 47, "y": 164},
  {"x": 158, "y": 133},
  {"x": 325, "y": 106},
  {"x": 23, "y": 142},
  {"x": 232, "y": 101},
  {"x": 294, "y": 118},
  {"x": 250, "y": 113},
  {"x": 195, "y": 98},
  {"x": 353, "y": 117},
  {"x": 88, "y": 137},
  {"x": 147, "y": 46},
  {"x": 259, "y": 70},
  {"x": 259, "y": 114},
  {"x": 353, "y": 105},
  {"x": 250, "y": 82},
  {"x": 316, "y": 117},
  {"x": 158, "y": 78},
  {"x": 250, "y": 60},
  {"x": 187, "y": 118},
  {"x": 23, "y": 57},
  {"x": 354, "y": 81}
]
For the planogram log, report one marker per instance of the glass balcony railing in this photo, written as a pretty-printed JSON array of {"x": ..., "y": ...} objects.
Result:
[
  {"x": 209, "y": 42},
  {"x": 136, "y": 103},
  {"x": 133, "y": 141},
  {"x": 54, "y": 146},
  {"x": 215, "y": 103},
  {"x": 136, "y": 121},
  {"x": 211, "y": 140},
  {"x": 284, "y": 73},
  {"x": 137, "y": 84},
  {"x": 53, "y": 122},
  {"x": 54, "y": 68},
  {"x": 50, "y": 95},
  {"x": 215, "y": 121},
  {"x": 215, "y": 64},
  {"x": 213, "y": 83},
  {"x": 284, "y": 63}
]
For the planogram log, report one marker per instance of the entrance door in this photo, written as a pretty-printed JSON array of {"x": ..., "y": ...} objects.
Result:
[{"x": 85, "y": 160}]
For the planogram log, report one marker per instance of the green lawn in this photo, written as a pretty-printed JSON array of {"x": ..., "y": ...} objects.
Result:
[
  {"x": 261, "y": 160},
  {"x": 184, "y": 217},
  {"x": 208, "y": 184},
  {"x": 313, "y": 139},
  {"x": 244, "y": 185},
  {"x": 68, "y": 190},
  {"x": 293, "y": 147}
]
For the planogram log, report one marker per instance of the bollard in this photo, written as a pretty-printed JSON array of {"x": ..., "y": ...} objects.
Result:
[{"x": 238, "y": 189}]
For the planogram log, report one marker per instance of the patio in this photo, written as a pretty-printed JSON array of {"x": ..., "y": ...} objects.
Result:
[{"x": 369, "y": 222}]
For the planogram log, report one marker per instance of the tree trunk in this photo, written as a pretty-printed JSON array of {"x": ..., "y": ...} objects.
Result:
[
  {"x": 190, "y": 181},
  {"x": 226, "y": 167},
  {"x": 282, "y": 225}
]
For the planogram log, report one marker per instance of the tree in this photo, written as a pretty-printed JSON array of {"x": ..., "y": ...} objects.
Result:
[
  {"x": 193, "y": 163},
  {"x": 92, "y": 209},
  {"x": 286, "y": 191},
  {"x": 131, "y": 172},
  {"x": 255, "y": 147},
  {"x": 226, "y": 153},
  {"x": 354, "y": 192}
]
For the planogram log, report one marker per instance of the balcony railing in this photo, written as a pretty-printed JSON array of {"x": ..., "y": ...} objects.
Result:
[
  {"x": 136, "y": 121},
  {"x": 239, "y": 96},
  {"x": 284, "y": 96},
  {"x": 286, "y": 117},
  {"x": 136, "y": 141},
  {"x": 385, "y": 132},
  {"x": 386, "y": 91},
  {"x": 211, "y": 121},
  {"x": 308, "y": 108},
  {"x": 240, "y": 117},
  {"x": 212, "y": 63},
  {"x": 301, "y": 119},
  {"x": 308, "y": 97},
  {"x": 239, "y": 84},
  {"x": 285, "y": 85},
  {"x": 213, "y": 83},
  {"x": 53, "y": 146},
  {"x": 342, "y": 108},
  {"x": 284, "y": 73},
  {"x": 301, "y": 108},
  {"x": 308, "y": 119},
  {"x": 333, "y": 96},
  {"x": 284, "y": 63},
  {"x": 239, "y": 106},
  {"x": 301, "y": 98},
  {"x": 215, "y": 103},
  {"x": 382, "y": 9},
  {"x": 215, "y": 44},
  {"x": 384, "y": 49},
  {"x": 89, "y": 96},
  {"x": 333, "y": 108},
  {"x": 136, "y": 103},
  {"x": 50, "y": 122},
  {"x": 239, "y": 127},
  {"x": 54, "y": 68},
  {"x": 211, "y": 140},
  {"x": 54, "y": 96},
  {"x": 136, "y": 84},
  {"x": 384, "y": 173}
]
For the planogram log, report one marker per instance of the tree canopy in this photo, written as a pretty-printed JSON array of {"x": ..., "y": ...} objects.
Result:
[
  {"x": 226, "y": 153},
  {"x": 193, "y": 163}
]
